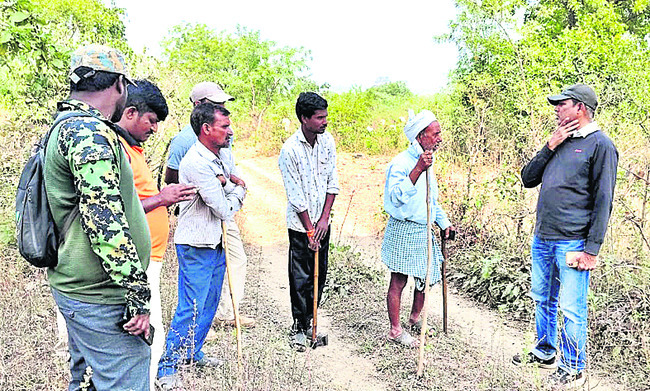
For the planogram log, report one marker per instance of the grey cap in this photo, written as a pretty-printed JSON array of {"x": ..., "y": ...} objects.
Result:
[{"x": 579, "y": 92}]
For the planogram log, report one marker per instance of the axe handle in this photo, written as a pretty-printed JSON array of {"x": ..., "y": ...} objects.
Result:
[
  {"x": 443, "y": 244},
  {"x": 425, "y": 313},
  {"x": 314, "y": 320}
]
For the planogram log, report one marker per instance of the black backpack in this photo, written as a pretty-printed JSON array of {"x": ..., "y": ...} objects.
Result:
[{"x": 37, "y": 236}]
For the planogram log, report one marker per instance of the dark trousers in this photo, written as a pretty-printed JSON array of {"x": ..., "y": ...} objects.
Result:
[{"x": 301, "y": 277}]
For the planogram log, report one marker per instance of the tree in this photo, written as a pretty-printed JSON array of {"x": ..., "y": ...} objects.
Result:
[
  {"x": 256, "y": 71},
  {"x": 36, "y": 39}
]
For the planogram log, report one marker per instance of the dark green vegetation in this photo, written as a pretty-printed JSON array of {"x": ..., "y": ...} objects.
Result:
[{"x": 494, "y": 117}]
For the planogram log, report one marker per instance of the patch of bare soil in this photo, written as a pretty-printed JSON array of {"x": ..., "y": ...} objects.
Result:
[{"x": 262, "y": 222}]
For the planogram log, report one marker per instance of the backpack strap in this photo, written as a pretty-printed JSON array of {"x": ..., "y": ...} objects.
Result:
[
  {"x": 67, "y": 222},
  {"x": 57, "y": 121}
]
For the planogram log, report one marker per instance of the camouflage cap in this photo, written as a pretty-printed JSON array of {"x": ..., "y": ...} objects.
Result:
[{"x": 98, "y": 58}]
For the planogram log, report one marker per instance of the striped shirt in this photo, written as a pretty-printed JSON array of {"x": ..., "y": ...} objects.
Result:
[{"x": 199, "y": 221}]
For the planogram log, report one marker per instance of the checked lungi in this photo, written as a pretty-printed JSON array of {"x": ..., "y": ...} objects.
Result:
[{"x": 404, "y": 251}]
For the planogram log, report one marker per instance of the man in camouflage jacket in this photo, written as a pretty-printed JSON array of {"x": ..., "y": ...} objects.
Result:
[{"x": 100, "y": 276}]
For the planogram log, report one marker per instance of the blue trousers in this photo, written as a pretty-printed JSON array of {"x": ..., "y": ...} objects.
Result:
[
  {"x": 200, "y": 277},
  {"x": 119, "y": 361},
  {"x": 554, "y": 282}
]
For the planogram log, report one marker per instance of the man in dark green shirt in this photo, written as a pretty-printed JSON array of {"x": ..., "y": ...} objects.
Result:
[{"x": 100, "y": 276}]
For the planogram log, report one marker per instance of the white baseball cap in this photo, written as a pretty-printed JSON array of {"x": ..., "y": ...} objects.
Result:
[{"x": 210, "y": 91}]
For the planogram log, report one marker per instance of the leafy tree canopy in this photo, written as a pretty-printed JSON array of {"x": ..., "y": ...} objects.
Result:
[
  {"x": 36, "y": 38},
  {"x": 255, "y": 71}
]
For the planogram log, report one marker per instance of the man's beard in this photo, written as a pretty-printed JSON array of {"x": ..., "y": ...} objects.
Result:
[{"x": 117, "y": 114}]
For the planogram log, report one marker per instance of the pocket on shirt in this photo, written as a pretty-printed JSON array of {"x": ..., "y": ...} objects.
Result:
[{"x": 325, "y": 162}]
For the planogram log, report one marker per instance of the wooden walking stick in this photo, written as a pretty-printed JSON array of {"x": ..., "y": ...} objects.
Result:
[
  {"x": 235, "y": 311},
  {"x": 314, "y": 319},
  {"x": 443, "y": 244},
  {"x": 423, "y": 331}
]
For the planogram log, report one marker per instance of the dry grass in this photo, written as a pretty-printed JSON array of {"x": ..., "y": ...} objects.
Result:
[
  {"x": 268, "y": 362},
  {"x": 452, "y": 361},
  {"x": 27, "y": 329},
  {"x": 28, "y": 337}
]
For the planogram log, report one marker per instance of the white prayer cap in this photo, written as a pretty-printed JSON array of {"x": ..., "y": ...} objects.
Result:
[{"x": 418, "y": 123}]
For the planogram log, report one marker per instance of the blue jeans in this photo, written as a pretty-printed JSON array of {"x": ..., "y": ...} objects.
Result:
[
  {"x": 200, "y": 277},
  {"x": 552, "y": 279},
  {"x": 119, "y": 361}
]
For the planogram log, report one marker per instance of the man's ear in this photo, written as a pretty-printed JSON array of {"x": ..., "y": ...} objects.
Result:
[
  {"x": 205, "y": 128},
  {"x": 120, "y": 85},
  {"x": 130, "y": 113}
]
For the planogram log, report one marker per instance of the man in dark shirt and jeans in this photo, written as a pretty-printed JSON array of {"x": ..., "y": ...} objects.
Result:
[{"x": 577, "y": 170}]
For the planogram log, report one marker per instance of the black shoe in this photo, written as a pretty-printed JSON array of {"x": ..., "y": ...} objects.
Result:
[
  {"x": 298, "y": 341},
  {"x": 208, "y": 362},
  {"x": 533, "y": 359},
  {"x": 567, "y": 380}
]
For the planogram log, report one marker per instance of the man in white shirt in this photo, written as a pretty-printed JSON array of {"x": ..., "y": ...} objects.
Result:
[
  {"x": 210, "y": 92},
  {"x": 308, "y": 165}
]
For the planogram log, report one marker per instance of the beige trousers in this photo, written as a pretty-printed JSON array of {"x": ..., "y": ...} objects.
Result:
[{"x": 237, "y": 266}]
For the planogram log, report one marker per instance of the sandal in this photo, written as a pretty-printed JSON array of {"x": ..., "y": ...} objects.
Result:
[
  {"x": 405, "y": 339},
  {"x": 416, "y": 328}
]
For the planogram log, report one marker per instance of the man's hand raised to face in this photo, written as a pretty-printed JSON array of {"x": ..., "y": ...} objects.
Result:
[{"x": 562, "y": 133}]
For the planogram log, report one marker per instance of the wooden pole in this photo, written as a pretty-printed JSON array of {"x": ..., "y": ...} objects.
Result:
[
  {"x": 235, "y": 311},
  {"x": 423, "y": 331},
  {"x": 443, "y": 244},
  {"x": 314, "y": 319}
]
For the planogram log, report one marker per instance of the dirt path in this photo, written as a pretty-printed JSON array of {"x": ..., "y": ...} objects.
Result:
[
  {"x": 357, "y": 221},
  {"x": 264, "y": 226}
]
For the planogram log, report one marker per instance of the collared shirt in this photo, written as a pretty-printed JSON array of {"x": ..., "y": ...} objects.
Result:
[
  {"x": 405, "y": 201},
  {"x": 106, "y": 251},
  {"x": 146, "y": 187},
  {"x": 199, "y": 221},
  {"x": 309, "y": 174},
  {"x": 586, "y": 130},
  {"x": 183, "y": 141}
]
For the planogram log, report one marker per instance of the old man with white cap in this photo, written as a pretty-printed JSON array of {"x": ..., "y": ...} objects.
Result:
[{"x": 404, "y": 249}]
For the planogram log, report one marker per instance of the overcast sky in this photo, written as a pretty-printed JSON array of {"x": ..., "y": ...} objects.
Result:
[{"x": 353, "y": 43}]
